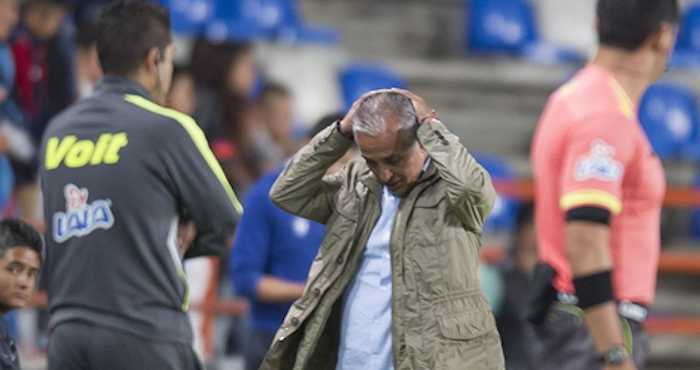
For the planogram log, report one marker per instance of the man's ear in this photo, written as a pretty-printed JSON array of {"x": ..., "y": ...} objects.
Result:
[
  {"x": 664, "y": 39},
  {"x": 153, "y": 58}
]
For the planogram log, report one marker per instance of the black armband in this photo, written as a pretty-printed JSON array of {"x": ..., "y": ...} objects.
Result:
[
  {"x": 594, "y": 289},
  {"x": 596, "y": 215}
]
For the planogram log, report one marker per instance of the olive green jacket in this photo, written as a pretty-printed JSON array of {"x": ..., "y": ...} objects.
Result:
[{"x": 440, "y": 319}]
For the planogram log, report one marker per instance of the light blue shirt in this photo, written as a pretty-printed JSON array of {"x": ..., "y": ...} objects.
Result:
[{"x": 365, "y": 334}]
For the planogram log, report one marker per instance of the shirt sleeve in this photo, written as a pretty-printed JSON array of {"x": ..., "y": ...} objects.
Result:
[
  {"x": 595, "y": 158},
  {"x": 202, "y": 190},
  {"x": 252, "y": 243}
]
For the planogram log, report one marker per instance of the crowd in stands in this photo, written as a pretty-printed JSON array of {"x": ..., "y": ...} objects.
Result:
[{"x": 48, "y": 59}]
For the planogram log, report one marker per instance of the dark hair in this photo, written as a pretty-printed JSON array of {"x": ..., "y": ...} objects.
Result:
[
  {"x": 86, "y": 34},
  {"x": 272, "y": 89},
  {"x": 627, "y": 24},
  {"x": 17, "y": 233},
  {"x": 210, "y": 61},
  {"x": 324, "y": 122},
  {"x": 371, "y": 115},
  {"x": 127, "y": 30},
  {"x": 525, "y": 216}
]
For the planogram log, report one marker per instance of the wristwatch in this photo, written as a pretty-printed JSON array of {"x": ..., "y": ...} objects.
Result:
[{"x": 615, "y": 356}]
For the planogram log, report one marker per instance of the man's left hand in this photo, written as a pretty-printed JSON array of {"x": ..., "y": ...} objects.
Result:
[
  {"x": 186, "y": 234},
  {"x": 424, "y": 111}
]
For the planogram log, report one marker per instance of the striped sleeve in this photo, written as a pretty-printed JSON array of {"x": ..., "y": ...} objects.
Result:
[
  {"x": 595, "y": 161},
  {"x": 198, "y": 138},
  {"x": 204, "y": 195}
]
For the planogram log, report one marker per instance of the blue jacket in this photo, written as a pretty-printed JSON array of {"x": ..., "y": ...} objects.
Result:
[
  {"x": 8, "y": 110},
  {"x": 9, "y": 359},
  {"x": 270, "y": 241}
]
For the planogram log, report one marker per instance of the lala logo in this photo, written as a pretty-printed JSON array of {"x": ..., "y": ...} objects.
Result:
[
  {"x": 599, "y": 164},
  {"x": 81, "y": 218}
]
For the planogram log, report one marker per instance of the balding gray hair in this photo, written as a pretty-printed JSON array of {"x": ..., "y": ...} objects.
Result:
[{"x": 372, "y": 115}]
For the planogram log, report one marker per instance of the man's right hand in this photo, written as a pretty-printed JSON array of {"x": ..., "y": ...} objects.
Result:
[
  {"x": 186, "y": 234},
  {"x": 346, "y": 122}
]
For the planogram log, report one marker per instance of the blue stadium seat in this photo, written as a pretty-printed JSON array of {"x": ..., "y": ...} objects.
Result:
[
  {"x": 547, "y": 53},
  {"x": 189, "y": 17},
  {"x": 500, "y": 25},
  {"x": 509, "y": 27},
  {"x": 244, "y": 20},
  {"x": 505, "y": 209},
  {"x": 687, "y": 51},
  {"x": 7, "y": 181},
  {"x": 268, "y": 19},
  {"x": 237, "y": 20},
  {"x": 282, "y": 20},
  {"x": 669, "y": 115},
  {"x": 357, "y": 79}
]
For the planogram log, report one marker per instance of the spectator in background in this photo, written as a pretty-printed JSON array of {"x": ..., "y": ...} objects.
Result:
[
  {"x": 182, "y": 92},
  {"x": 41, "y": 88},
  {"x": 516, "y": 332},
  {"x": 233, "y": 147},
  {"x": 207, "y": 66},
  {"x": 9, "y": 15},
  {"x": 40, "y": 23},
  {"x": 20, "y": 260},
  {"x": 223, "y": 105},
  {"x": 224, "y": 76},
  {"x": 241, "y": 70},
  {"x": 273, "y": 129},
  {"x": 14, "y": 137},
  {"x": 87, "y": 65},
  {"x": 270, "y": 259}
]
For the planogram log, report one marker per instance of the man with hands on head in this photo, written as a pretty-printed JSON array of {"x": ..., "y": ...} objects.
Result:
[{"x": 395, "y": 283}]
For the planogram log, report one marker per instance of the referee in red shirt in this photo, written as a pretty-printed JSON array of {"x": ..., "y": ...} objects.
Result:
[{"x": 599, "y": 191}]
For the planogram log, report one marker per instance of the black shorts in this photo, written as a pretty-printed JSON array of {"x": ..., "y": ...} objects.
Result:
[
  {"x": 83, "y": 346},
  {"x": 565, "y": 344}
]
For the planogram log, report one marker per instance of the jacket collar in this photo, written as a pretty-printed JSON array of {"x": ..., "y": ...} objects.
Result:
[
  {"x": 112, "y": 84},
  {"x": 367, "y": 177}
]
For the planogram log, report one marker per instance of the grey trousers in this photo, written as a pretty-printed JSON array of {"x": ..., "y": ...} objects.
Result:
[
  {"x": 82, "y": 346},
  {"x": 564, "y": 342}
]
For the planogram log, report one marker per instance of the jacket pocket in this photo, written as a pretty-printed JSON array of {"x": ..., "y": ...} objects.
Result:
[
  {"x": 426, "y": 221},
  {"x": 467, "y": 335},
  {"x": 464, "y": 317},
  {"x": 429, "y": 200},
  {"x": 466, "y": 325}
]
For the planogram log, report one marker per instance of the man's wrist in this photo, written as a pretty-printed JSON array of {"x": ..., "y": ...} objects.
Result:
[
  {"x": 616, "y": 355},
  {"x": 339, "y": 127}
]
